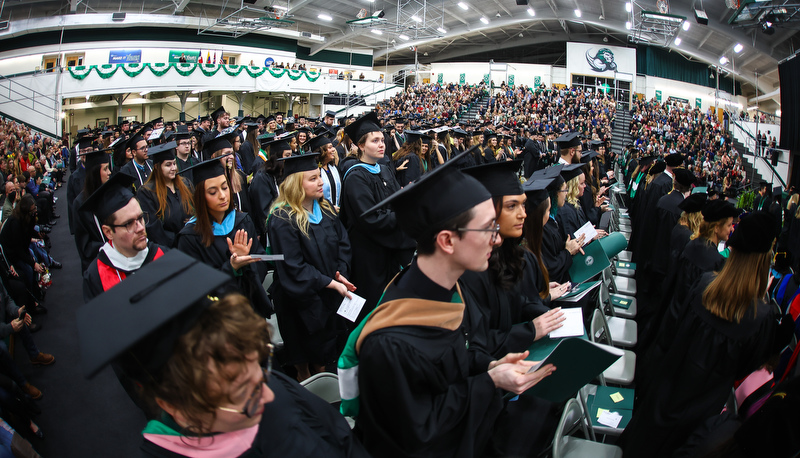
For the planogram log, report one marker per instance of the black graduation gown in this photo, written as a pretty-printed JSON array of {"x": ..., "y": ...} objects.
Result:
[
  {"x": 297, "y": 424},
  {"x": 306, "y": 308},
  {"x": 423, "y": 392},
  {"x": 246, "y": 156},
  {"x": 162, "y": 230},
  {"x": 697, "y": 258},
  {"x": 696, "y": 359},
  {"x": 570, "y": 219},
  {"x": 488, "y": 155},
  {"x": 263, "y": 191},
  {"x": 532, "y": 281},
  {"x": 102, "y": 275},
  {"x": 668, "y": 213},
  {"x": 88, "y": 238},
  {"x": 250, "y": 278},
  {"x": 380, "y": 248},
  {"x": 530, "y": 157},
  {"x": 637, "y": 214},
  {"x": 74, "y": 187},
  {"x": 591, "y": 212},
  {"x": 555, "y": 257},
  {"x": 139, "y": 176},
  {"x": 412, "y": 172},
  {"x": 347, "y": 162},
  {"x": 241, "y": 199},
  {"x": 183, "y": 165}
]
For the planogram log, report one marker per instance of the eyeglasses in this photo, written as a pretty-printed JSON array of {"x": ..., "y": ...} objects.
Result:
[
  {"x": 130, "y": 226},
  {"x": 185, "y": 143},
  {"x": 563, "y": 190},
  {"x": 143, "y": 148},
  {"x": 251, "y": 406},
  {"x": 494, "y": 230}
]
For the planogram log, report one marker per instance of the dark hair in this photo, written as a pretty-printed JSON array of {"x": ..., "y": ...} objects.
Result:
[
  {"x": 426, "y": 245},
  {"x": 505, "y": 263},
  {"x": 92, "y": 181},
  {"x": 22, "y": 209},
  {"x": 532, "y": 235},
  {"x": 202, "y": 225}
]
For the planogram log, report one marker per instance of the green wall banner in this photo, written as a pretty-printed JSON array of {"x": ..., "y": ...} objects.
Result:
[
  {"x": 441, "y": 78},
  {"x": 108, "y": 70},
  {"x": 510, "y": 80},
  {"x": 462, "y": 78},
  {"x": 658, "y": 95},
  {"x": 698, "y": 103},
  {"x": 537, "y": 81},
  {"x": 486, "y": 78},
  {"x": 190, "y": 56}
]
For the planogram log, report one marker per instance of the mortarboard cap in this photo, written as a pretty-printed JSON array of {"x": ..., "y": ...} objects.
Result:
[
  {"x": 318, "y": 142},
  {"x": 414, "y": 135},
  {"x": 694, "y": 203},
  {"x": 162, "y": 152},
  {"x": 436, "y": 198},
  {"x": 217, "y": 113},
  {"x": 139, "y": 321},
  {"x": 217, "y": 143},
  {"x": 499, "y": 178},
  {"x": 277, "y": 144},
  {"x": 588, "y": 155},
  {"x": 110, "y": 196},
  {"x": 596, "y": 144},
  {"x": 86, "y": 141},
  {"x": 362, "y": 126},
  {"x": 658, "y": 167},
  {"x": 210, "y": 168},
  {"x": 777, "y": 191},
  {"x": 536, "y": 189},
  {"x": 330, "y": 114},
  {"x": 94, "y": 158},
  {"x": 716, "y": 210},
  {"x": 755, "y": 232},
  {"x": 568, "y": 140},
  {"x": 684, "y": 176},
  {"x": 269, "y": 119},
  {"x": 570, "y": 171},
  {"x": 303, "y": 163},
  {"x": 674, "y": 159},
  {"x": 182, "y": 133}
]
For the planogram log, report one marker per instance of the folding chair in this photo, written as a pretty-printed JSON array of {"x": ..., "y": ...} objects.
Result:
[
  {"x": 325, "y": 385},
  {"x": 566, "y": 446},
  {"x": 622, "y": 331},
  {"x": 622, "y": 371},
  {"x": 615, "y": 304},
  {"x": 587, "y": 398},
  {"x": 620, "y": 285}
]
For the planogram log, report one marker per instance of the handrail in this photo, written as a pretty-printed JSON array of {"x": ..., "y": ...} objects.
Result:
[
  {"x": 33, "y": 96},
  {"x": 774, "y": 172}
]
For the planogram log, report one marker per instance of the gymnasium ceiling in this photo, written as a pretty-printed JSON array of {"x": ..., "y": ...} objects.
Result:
[{"x": 512, "y": 34}]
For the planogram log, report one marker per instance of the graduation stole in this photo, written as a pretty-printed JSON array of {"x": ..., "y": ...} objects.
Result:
[{"x": 398, "y": 312}]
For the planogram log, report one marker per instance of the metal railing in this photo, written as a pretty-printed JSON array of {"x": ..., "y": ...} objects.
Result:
[
  {"x": 751, "y": 141},
  {"x": 36, "y": 101}
]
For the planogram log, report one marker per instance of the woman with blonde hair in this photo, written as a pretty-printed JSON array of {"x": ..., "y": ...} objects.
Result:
[
  {"x": 721, "y": 332},
  {"x": 311, "y": 281},
  {"x": 570, "y": 216},
  {"x": 166, "y": 198}
]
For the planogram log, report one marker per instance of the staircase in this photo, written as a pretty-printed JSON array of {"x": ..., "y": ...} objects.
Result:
[
  {"x": 474, "y": 110},
  {"x": 621, "y": 133},
  {"x": 750, "y": 170}
]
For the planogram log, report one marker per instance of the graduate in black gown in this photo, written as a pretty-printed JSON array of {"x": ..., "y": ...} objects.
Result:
[
  {"x": 311, "y": 281},
  {"x": 166, "y": 198},
  {"x": 726, "y": 330},
  {"x": 221, "y": 147},
  {"x": 570, "y": 216},
  {"x": 639, "y": 235},
  {"x": 513, "y": 320},
  {"x": 380, "y": 248},
  {"x": 210, "y": 390},
  {"x": 140, "y": 167},
  {"x": 331, "y": 178},
  {"x": 88, "y": 235},
  {"x": 223, "y": 237},
  {"x": 424, "y": 386},
  {"x": 557, "y": 249},
  {"x": 263, "y": 188},
  {"x": 184, "y": 157},
  {"x": 409, "y": 161},
  {"x": 75, "y": 182}
]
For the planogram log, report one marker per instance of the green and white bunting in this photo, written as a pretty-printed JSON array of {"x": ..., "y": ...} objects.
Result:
[{"x": 185, "y": 69}]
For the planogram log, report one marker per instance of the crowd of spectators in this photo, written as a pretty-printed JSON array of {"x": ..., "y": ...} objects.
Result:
[{"x": 433, "y": 103}]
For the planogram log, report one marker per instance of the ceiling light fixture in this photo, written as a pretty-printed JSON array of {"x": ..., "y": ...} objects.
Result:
[
  {"x": 628, "y": 7},
  {"x": 677, "y": 41},
  {"x": 686, "y": 25},
  {"x": 441, "y": 30},
  {"x": 531, "y": 12},
  {"x": 376, "y": 32},
  {"x": 484, "y": 20},
  {"x": 628, "y": 25},
  {"x": 738, "y": 48},
  {"x": 324, "y": 17},
  {"x": 416, "y": 18},
  {"x": 403, "y": 37},
  {"x": 723, "y": 60},
  {"x": 578, "y": 13},
  {"x": 463, "y": 6}
]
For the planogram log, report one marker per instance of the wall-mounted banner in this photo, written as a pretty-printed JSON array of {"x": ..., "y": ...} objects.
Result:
[
  {"x": 600, "y": 60},
  {"x": 698, "y": 103},
  {"x": 658, "y": 95},
  {"x": 125, "y": 56},
  {"x": 190, "y": 57},
  {"x": 510, "y": 80},
  {"x": 462, "y": 78},
  {"x": 537, "y": 81},
  {"x": 268, "y": 61}
]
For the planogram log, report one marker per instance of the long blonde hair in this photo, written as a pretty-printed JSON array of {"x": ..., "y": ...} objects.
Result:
[
  {"x": 707, "y": 230},
  {"x": 692, "y": 221},
  {"x": 573, "y": 189},
  {"x": 738, "y": 286},
  {"x": 291, "y": 200}
]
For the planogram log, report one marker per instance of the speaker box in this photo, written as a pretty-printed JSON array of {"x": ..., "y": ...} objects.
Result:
[
  {"x": 118, "y": 17},
  {"x": 522, "y": 2}
]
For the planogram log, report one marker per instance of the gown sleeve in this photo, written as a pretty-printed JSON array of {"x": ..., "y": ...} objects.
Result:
[{"x": 298, "y": 277}]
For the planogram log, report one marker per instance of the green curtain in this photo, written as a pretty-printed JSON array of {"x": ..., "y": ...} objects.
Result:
[{"x": 660, "y": 63}]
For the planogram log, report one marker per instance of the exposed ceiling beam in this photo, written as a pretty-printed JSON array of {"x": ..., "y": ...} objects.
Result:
[
  {"x": 73, "y": 6},
  {"x": 181, "y": 6},
  {"x": 705, "y": 38}
]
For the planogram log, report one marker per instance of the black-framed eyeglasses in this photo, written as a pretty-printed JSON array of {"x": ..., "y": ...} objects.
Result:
[
  {"x": 130, "y": 226},
  {"x": 251, "y": 406},
  {"x": 494, "y": 230},
  {"x": 143, "y": 148},
  {"x": 185, "y": 143}
]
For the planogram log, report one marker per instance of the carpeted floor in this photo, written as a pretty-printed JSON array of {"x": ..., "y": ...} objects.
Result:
[{"x": 80, "y": 417}]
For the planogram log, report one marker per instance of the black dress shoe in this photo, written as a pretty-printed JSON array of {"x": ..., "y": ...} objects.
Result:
[
  {"x": 52, "y": 222},
  {"x": 56, "y": 216},
  {"x": 55, "y": 264},
  {"x": 38, "y": 310},
  {"x": 35, "y": 327},
  {"x": 44, "y": 229}
]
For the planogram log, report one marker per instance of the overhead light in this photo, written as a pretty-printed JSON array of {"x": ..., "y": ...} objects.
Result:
[
  {"x": 463, "y": 6},
  {"x": 143, "y": 93},
  {"x": 416, "y": 18},
  {"x": 63, "y": 115},
  {"x": 378, "y": 14},
  {"x": 738, "y": 48},
  {"x": 677, "y": 41},
  {"x": 376, "y": 32},
  {"x": 441, "y": 30},
  {"x": 663, "y": 17},
  {"x": 484, "y": 20},
  {"x": 578, "y": 13},
  {"x": 628, "y": 25},
  {"x": 278, "y": 7},
  {"x": 686, "y": 25},
  {"x": 87, "y": 98},
  {"x": 723, "y": 60},
  {"x": 371, "y": 1},
  {"x": 752, "y": 108},
  {"x": 324, "y": 17},
  {"x": 197, "y": 91},
  {"x": 768, "y": 28},
  {"x": 531, "y": 12},
  {"x": 628, "y": 7},
  {"x": 403, "y": 37}
]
